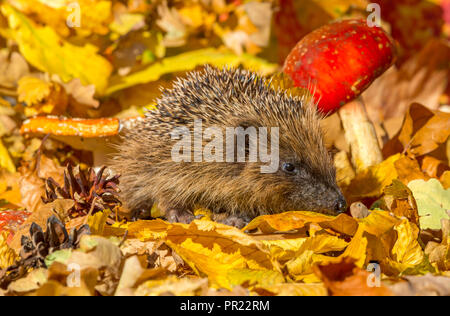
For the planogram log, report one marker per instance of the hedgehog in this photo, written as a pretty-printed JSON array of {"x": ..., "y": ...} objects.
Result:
[{"x": 235, "y": 190}]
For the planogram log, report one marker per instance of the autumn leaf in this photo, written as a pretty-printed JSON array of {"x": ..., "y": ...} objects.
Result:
[
  {"x": 293, "y": 289},
  {"x": 406, "y": 252},
  {"x": 433, "y": 202},
  {"x": 423, "y": 131},
  {"x": 93, "y": 15},
  {"x": 188, "y": 61},
  {"x": 5, "y": 159},
  {"x": 7, "y": 255},
  {"x": 372, "y": 181},
  {"x": 97, "y": 222},
  {"x": 208, "y": 247},
  {"x": 12, "y": 68},
  {"x": 345, "y": 279},
  {"x": 41, "y": 96},
  {"x": 297, "y": 220},
  {"x": 172, "y": 285},
  {"x": 45, "y": 50},
  {"x": 399, "y": 200}
]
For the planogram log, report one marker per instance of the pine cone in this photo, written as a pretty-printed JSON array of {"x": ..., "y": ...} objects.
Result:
[
  {"x": 39, "y": 245},
  {"x": 85, "y": 188}
]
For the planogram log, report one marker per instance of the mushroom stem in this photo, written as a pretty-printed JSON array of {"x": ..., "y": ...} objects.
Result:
[{"x": 360, "y": 135}]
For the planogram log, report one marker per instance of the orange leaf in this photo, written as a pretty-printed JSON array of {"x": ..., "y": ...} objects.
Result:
[
  {"x": 434, "y": 167},
  {"x": 297, "y": 220},
  {"x": 346, "y": 279},
  {"x": 408, "y": 169},
  {"x": 423, "y": 131}
]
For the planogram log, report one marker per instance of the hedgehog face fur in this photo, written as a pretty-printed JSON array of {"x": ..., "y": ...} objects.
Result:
[{"x": 305, "y": 179}]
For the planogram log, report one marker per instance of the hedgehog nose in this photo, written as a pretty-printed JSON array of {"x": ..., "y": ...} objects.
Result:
[{"x": 340, "y": 206}]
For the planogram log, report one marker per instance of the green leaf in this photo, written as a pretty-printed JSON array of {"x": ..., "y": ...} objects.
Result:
[
  {"x": 189, "y": 61},
  {"x": 61, "y": 256},
  {"x": 433, "y": 202},
  {"x": 46, "y": 50}
]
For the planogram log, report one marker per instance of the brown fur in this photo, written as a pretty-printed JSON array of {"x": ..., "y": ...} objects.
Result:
[{"x": 227, "y": 98}]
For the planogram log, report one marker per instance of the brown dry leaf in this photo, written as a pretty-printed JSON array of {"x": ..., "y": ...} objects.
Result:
[
  {"x": 58, "y": 276},
  {"x": 428, "y": 285},
  {"x": 32, "y": 185},
  {"x": 133, "y": 275},
  {"x": 237, "y": 291},
  {"x": 33, "y": 281},
  {"x": 346, "y": 279},
  {"x": 172, "y": 286},
  {"x": 40, "y": 216},
  {"x": 80, "y": 94},
  {"x": 439, "y": 254},
  {"x": 284, "y": 222},
  {"x": 12, "y": 67},
  {"x": 399, "y": 200},
  {"x": 423, "y": 131},
  {"x": 422, "y": 79}
]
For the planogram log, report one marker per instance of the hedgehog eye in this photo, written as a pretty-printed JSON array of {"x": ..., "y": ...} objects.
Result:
[{"x": 288, "y": 167}]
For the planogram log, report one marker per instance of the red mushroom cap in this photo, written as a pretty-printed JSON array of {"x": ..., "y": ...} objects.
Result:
[{"x": 338, "y": 61}]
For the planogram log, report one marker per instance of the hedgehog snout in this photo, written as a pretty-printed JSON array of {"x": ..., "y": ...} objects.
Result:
[{"x": 341, "y": 205}]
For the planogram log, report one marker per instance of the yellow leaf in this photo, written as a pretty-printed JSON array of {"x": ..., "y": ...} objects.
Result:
[
  {"x": 251, "y": 278},
  {"x": 208, "y": 247},
  {"x": 205, "y": 213},
  {"x": 307, "y": 255},
  {"x": 294, "y": 289},
  {"x": 45, "y": 50},
  {"x": 97, "y": 222},
  {"x": 7, "y": 255},
  {"x": 389, "y": 240},
  {"x": 93, "y": 14},
  {"x": 373, "y": 240},
  {"x": 302, "y": 264},
  {"x": 5, "y": 159},
  {"x": 357, "y": 249},
  {"x": 284, "y": 249},
  {"x": 32, "y": 90},
  {"x": 296, "y": 220},
  {"x": 189, "y": 61},
  {"x": 407, "y": 252},
  {"x": 214, "y": 262},
  {"x": 371, "y": 181}
]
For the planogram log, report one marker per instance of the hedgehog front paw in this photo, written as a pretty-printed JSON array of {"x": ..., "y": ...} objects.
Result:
[
  {"x": 179, "y": 216},
  {"x": 238, "y": 221}
]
